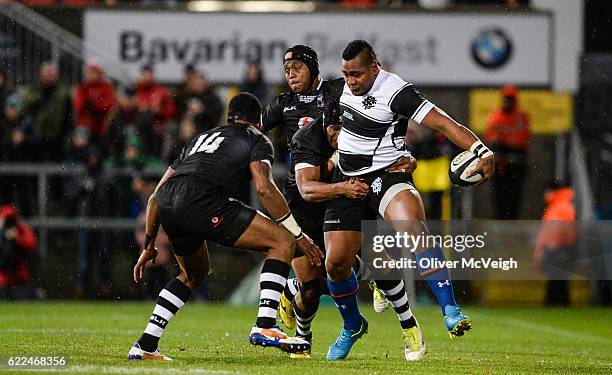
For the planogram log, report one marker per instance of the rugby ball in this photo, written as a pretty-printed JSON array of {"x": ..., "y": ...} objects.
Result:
[{"x": 460, "y": 166}]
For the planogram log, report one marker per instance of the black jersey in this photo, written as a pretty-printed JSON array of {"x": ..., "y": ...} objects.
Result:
[
  {"x": 221, "y": 156},
  {"x": 293, "y": 111},
  {"x": 310, "y": 148}
]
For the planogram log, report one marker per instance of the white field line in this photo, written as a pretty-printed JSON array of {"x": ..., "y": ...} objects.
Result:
[
  {"x": 90, "y": 369},
  {"x": 89, "y": 331}
]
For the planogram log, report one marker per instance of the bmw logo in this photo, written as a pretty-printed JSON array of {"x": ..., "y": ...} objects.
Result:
[{"x": 492, "y": 48}]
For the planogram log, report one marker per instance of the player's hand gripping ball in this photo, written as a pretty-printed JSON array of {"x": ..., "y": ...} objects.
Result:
[{"x": 461, "y": 166}]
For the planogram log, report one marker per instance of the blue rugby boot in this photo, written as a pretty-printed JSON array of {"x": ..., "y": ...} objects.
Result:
[
  {"x": 343, "y": 344},
  {"x": 275, "y": 337},
  {"x": 457, "y": 324}
]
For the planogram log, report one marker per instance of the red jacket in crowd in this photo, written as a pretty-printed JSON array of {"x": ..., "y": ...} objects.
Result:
[
  {"x": 26, "y": 241},
  {"x": 94, "y": 100},
  {"x": 558, "y": 223},
  {"x": 156, "y": 98},
  {"x": 508, "y": 128}
]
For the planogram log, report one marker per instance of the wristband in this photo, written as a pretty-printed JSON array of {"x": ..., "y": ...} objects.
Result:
[
  {"x": 148, "y": 240},
  {"x": 480, "y": 150},
  {"x": 291, "y": 225}
]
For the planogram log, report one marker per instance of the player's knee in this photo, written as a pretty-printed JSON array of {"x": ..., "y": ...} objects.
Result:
[
  {"x": 337, "y": 268},
  {"x": 286, "y": 241},
  {"x": 282, "y": 246},
  {"x": 193, "y": 279}
]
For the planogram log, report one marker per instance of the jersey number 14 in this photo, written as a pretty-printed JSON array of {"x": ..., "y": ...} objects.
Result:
[{"x": 208, "y": 143}]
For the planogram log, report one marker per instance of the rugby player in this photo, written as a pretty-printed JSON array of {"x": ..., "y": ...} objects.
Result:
[
  {"x": 370, "y": 140},
  {"x": 193, "y": 203},
  {"x": 312, "y": 147},
  {"x": 293, "y": 110}
]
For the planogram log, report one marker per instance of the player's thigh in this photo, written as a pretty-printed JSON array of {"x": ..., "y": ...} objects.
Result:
[
  {"x": 406, "y": 214},
  {"x": 195, "y": 266},
  {"x": 262, "y": 234}
]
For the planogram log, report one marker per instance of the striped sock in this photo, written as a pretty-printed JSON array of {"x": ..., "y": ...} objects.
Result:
[
  {"x": 303, "y": 323},
  {"x": 291, "y": 289},
  {"x": 170, "y": 300},
  {"x": 361, "y": 270},
  {"x": 310, "y": 293},
  {"x": 396, "y": 294},
  {"x": 272, "y": 282}
]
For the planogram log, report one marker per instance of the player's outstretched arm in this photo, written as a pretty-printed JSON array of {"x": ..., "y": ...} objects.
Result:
[
  {"x": 463, "y": 137},
  {"x": 274, "y": 202},
  {"x": 313, "y": 190},
  {"x": 151, "y": 228}
]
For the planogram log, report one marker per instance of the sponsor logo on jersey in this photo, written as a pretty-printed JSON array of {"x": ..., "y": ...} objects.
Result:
[
  {"x": 306, "y": 98},
  {"x": 348, "y": 115},
  {"x": 368, "y": 102},
  {"x": 320, "y": 102},
  {"x": 287, "y": 109},
  {"x": 305, "y": 121},
  {"x": 216, "y": 221}
]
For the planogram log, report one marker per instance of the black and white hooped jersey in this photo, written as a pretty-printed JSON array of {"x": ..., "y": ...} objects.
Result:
[{"x": 371, "y": 137}]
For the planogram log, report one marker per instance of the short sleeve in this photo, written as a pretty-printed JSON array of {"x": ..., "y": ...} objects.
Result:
[
  {"x": 180, "y": 158},
  {"x": 272, "y": 116},
  {"x": 262, "y": 149},
  {"x": 306, "y": 151},
  {"x": 409, "y": 102}
]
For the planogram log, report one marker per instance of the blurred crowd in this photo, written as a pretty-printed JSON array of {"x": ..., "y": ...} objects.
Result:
[
  {"x": 103, "y": 129},
  {"x": 426, "y": 4},
  {"x": 98, "y": 125}
]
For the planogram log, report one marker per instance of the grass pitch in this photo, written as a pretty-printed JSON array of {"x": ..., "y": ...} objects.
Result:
[{"x": 212, "y": 339}]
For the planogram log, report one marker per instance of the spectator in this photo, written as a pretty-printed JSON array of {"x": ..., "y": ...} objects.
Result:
[
  {"x": 186, "y": 130},
  {"x": 156, "y": 108},
  {"x": 93, "y": 102},
  {"x": 48, "y": 104},
  {"x": 76, "y": 153},
  {"x": 255, "y": 84},
  {"x": 125, "y": 121},
  {"x": 18, "y": 246},
  {"x": 18, "y": 143},
  {"x": 555, "y": 252},
  {"x": 202, "y": 104},
  {"x": 507, "y": 133},
  {"x": 92, "y": 195},
  {"x": 182, "y": 91}
]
